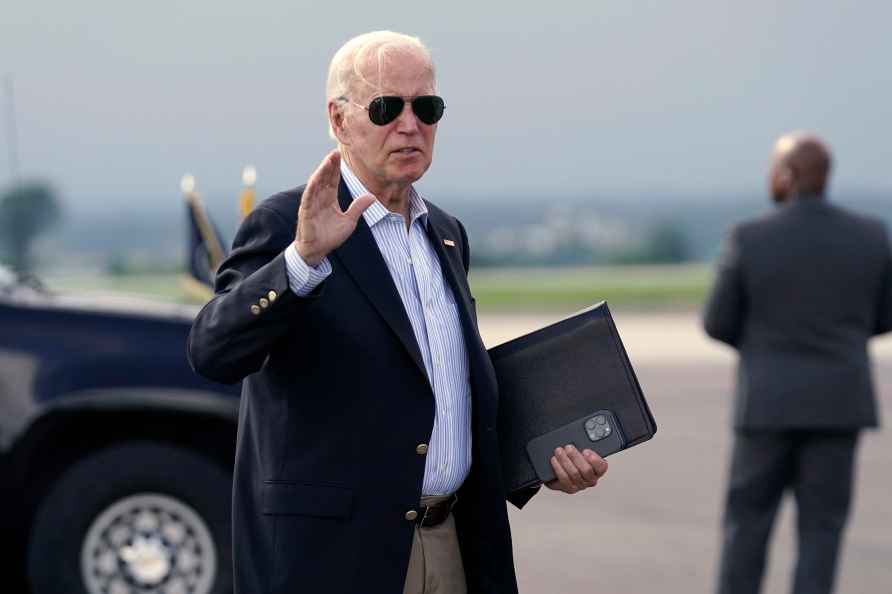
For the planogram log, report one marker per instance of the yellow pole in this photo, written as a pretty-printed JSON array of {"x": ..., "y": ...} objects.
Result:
[{"x": 248, "y": 194}]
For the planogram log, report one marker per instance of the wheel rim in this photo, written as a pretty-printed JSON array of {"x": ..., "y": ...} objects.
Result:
[{"x": 148, "y": 544}]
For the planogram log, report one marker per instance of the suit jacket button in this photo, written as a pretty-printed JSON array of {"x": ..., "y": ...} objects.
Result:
[
  {"x": 264, "y": 302},
  {"x": 272, "y": 296},
  {"x": 411, "y": 515},
  {"x": 421, "y": 449},
  {"x": 255, "y": 309}
]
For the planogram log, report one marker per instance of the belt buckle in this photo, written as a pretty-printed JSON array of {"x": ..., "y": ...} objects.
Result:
[{"x": 427, "y": 508}]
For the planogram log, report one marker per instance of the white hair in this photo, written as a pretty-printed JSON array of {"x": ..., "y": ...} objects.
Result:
[{"x": 344, "y": 72}]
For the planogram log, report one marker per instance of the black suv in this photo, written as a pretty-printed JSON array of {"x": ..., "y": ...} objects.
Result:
[{"x": 116, "y": 458}]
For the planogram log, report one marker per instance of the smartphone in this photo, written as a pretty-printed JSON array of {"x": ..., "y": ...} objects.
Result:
[{"x": 599, "y": 432}]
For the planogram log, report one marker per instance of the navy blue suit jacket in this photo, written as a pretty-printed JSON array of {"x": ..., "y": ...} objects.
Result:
[{"x": 335, "y": 400}]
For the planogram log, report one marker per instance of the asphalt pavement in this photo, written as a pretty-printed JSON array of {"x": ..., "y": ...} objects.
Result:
[{"x": 652, "y": 524}]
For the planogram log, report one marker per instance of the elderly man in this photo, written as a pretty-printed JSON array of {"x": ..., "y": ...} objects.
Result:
[
  {"x": 367, "y": 458},
  {"x": 799, "y": 293}
]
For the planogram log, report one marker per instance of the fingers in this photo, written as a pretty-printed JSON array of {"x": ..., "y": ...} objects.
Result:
[
  {"x": 358, "y": 206},
  {"x": 323, "y": 183},
  {"x": 598, "y": 463},
  {"x": 576, "y": 470},
  {"x": 332, "y": 163},
  {"x": 586, "y": 469},
  {"x": 321, "y": 176},
  {"x": 566, "y": 470},
  {"x": 577, "y": 467},
  {"x": 563, "y": 480}
]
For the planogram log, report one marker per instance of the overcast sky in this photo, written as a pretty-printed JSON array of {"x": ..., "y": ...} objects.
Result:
[{"x": 116, "y": 100}]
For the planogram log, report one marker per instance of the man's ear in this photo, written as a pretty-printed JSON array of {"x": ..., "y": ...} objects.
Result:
[
  {"x": 786, "y": 176},
  {"x": 336, "y": 121},
  {"x": 782, "y": 180}
]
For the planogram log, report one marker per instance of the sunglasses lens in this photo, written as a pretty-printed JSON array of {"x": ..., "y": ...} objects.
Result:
[
  {"x": 429, "y": 108},
  {"x": 383, "y": 110}
]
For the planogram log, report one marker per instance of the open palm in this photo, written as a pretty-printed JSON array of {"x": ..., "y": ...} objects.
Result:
[{"x": 321, "y": 224}]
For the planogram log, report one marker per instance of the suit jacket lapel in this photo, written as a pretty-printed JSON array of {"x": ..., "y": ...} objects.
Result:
[
  {"x": 364, "y": 263},
  {"x": 454, "y": 272},
  {"x": 451, "y": 263}
]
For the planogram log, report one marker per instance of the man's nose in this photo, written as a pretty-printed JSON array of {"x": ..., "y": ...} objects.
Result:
[{"x": 407, "y": 121}]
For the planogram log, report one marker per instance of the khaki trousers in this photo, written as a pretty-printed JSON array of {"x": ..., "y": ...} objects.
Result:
[{"x": 435, "y": 565}]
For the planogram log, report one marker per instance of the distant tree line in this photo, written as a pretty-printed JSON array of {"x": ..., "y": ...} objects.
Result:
[{"x": 665, "y": 242}]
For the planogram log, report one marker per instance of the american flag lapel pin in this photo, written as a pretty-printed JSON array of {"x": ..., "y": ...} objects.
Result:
[{"x": 449, "y": 242}]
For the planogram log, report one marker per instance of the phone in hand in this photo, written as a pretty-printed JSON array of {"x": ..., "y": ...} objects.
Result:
[{"x": 599, "y": 432}]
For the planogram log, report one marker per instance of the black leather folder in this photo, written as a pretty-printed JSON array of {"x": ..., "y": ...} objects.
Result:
[{"x": 570, "y": 382}]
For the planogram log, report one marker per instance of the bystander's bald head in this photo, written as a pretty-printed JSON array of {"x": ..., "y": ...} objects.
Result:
[{"x": 800, "y": 166}]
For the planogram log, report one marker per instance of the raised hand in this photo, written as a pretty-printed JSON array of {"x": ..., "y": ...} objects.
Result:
[{"x": 321, "y": 224}]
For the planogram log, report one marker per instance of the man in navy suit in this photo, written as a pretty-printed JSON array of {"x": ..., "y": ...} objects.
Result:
[
  {"x": 799, "y": 293},
  {"x": 367, "y": 458}
]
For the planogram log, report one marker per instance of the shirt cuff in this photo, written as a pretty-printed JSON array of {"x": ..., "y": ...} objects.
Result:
[{"x": 303, "y": 278}]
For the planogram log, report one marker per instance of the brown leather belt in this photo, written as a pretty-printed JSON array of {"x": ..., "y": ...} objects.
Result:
[{"x": 434, "y": 515}]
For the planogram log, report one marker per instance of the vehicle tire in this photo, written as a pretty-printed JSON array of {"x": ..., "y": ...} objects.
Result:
[{"x": 135, "y": 518}]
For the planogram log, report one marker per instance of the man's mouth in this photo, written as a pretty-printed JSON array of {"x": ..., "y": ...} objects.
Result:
[{"x": 407, "y": 151}]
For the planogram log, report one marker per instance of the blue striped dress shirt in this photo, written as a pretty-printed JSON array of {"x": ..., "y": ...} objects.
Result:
[{"x": 433, "y": 313}]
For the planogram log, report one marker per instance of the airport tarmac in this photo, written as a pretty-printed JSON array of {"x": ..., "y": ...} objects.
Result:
[{"x": 652, "y": 524}]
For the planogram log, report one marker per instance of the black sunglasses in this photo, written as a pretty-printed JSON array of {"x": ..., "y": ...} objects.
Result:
[{"x": 383, "y": 110}]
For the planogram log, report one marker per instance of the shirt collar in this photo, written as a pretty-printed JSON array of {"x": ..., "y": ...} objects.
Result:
[{"x": 377, "y": 211}]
